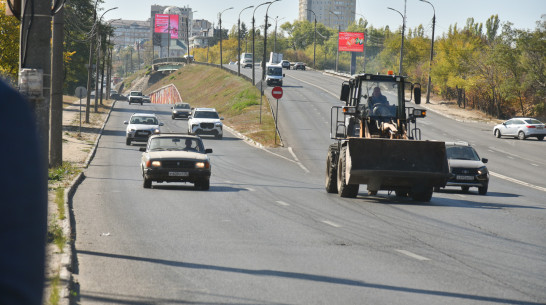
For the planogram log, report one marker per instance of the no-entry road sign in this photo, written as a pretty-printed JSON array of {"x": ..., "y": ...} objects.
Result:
[{"x": 277, "y": 92}]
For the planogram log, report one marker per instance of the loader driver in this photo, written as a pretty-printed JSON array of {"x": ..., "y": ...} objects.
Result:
[
  {"x": 378, "y": 98},
  {"x": 379, "y": 103}
]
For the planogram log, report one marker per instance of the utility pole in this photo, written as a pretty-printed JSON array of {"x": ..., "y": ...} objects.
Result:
[
  {"x": 35, "y": 53},
  {"x": 56, "y": 108},
  {"x": 90, "y": 67},
  {"x": 97, "y": 70}
]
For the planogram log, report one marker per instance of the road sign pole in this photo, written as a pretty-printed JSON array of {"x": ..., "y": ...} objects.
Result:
[{"x": 276, "y": 120}]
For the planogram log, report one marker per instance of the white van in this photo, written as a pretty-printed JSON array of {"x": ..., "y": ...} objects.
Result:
[
  {"x": 246, "y": 60},
  {"x": 274, "y": 75}
]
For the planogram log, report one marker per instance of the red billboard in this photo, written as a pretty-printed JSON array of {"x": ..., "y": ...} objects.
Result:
[
  {"x": 165, "y": 23},
  {"x": 351, "y": 42}
]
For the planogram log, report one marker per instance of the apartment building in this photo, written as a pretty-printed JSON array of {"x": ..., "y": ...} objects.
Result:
[{"x": 331, "y": 13}]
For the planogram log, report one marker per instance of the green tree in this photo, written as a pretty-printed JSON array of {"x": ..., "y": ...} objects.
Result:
[{"x": 9, "y": 45}]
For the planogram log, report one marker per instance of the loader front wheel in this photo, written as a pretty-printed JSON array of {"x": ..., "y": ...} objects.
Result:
[
  {"x": 331, "y": 173},
  {"x": 344, "y": 189}
]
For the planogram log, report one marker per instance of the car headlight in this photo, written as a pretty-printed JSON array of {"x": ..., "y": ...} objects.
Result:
[
  {"x": 175, "y": 111},
  {"x": 151, "y": 163},
  {"x": 204, "y": 164},
  {"x": 218, "y": 124},
  {"x": 132, "y": 130},
  {"x": 482, "y": 171},
  {"x": 155, "y": 130}
]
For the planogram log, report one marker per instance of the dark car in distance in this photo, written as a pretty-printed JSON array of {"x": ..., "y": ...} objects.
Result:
[
  {"x": 180, "y": 110},
  {"x": 299, "y": 66},
  {"x": 466, "y": 168}
]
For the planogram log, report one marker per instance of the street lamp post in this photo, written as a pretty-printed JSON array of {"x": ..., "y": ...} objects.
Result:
[
  {"x": 239, "y": 41},
  {"x": 402, "y": 46},
  {"x": 275, "y": 43},
  {"x": 314, "y": 39},
  {"x": 188, "y": 32},
  {"x": 265, "y": 39},
  {"x": 99, "y": 46},
  {"x": 431, "y": 50},
  {"x": 338, "y": 30},
  {"x": 220, "y": 24},
  {"x": 365, "y": 38},
  {"x": 253, "y": 34}
]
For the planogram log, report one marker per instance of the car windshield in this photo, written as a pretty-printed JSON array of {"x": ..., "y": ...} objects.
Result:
[
  {"x": 462, "y": 153},
  {"x": 275, "y": 71},
  {"x": 176, "y": 143},
  {"x": 146, "y": 120},
  {"x": 182, "y": 106},
  {"x": 136, "y": 93},
  {"x": 206, "y": 115},
  {"x": 532, "y": 121}
]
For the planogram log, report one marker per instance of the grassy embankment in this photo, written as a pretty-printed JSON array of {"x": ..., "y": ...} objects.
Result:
[{"x": 233, "y": 97}]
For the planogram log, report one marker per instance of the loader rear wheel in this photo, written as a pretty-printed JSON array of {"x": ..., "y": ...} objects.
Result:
[
  {"x": 343, "y": 189},
  {"x": 331, "y": 173}
]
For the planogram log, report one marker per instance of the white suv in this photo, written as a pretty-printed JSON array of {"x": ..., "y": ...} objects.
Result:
[
  {"x": 205, "y": 121},
  {"x": 140, "y": 127}
]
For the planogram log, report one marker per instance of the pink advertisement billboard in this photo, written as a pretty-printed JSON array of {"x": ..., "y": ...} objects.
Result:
[
  {"x": 351, "y": 42},
  {"x": 165, "y": 23}
]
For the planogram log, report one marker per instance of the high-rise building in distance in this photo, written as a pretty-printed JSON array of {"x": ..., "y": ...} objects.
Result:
[{"x": 331, "y": 13}]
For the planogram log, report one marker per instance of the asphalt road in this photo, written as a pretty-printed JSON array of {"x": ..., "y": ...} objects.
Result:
[{"x": 268, "y": 233}]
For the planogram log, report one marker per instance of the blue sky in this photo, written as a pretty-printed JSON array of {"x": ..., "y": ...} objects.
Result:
[{"x": 522, "y": 13}]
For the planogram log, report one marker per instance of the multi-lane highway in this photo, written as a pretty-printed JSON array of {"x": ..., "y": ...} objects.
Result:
[{"x": 268, "y": 233}]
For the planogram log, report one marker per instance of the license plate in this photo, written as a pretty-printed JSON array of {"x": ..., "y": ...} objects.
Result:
[
  {"x": 178, "y": 174},
  {"x": 142, "y": 133},
  {"x": 540, "y": 127},
  {"x": 459, "y": 177}
]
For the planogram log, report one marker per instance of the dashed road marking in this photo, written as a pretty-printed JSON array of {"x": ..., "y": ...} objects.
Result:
[
  {"x": 330, "y": 223},
  {"x": 413, "y": 255},
  {"x": 536, "y": 187},
  {"x": 283, "y": 203}
]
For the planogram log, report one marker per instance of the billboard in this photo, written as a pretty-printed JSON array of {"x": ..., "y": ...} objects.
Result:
[
  {"x": 165, "y": 23},
  {"x": 351, "y": 42}
]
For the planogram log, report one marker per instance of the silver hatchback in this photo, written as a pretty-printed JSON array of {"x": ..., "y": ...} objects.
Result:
[{"x": 521, "y": 128}]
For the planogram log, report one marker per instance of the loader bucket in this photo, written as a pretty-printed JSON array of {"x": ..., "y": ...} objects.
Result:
[{"x": 390, "y": 164}]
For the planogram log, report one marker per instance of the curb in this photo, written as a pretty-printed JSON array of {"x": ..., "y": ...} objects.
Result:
[{"x": 67, "y": 258}]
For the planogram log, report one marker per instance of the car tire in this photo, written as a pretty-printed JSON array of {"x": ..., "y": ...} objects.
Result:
[
  {"x": 540, "y": 138},
  {"x": 343, "y": 189},
  {"x": 401, "y": 193},
  {"x": 219, "y": 137},
  {"x": 521, "y": 135},
  {"x": 172, "y": 117},
  {"x": 497, "y": 133},
  {"x": 482, "y": 190},
  {"x": 147, "y": 183},
  {"x": 140, "y": 103},
  {"x": 465, "y": 189},
  {"x": 422, "y": 196},
  {"x": 436, "y": 188},
  {"x": 203, "y": 184},
  {"x": 127, "y": 141},
  {"x": 331, "y": 171}
]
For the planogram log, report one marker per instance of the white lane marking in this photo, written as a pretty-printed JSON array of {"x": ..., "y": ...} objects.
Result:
[
  {"x": 510, "y": 157},
  {"x": 250, "y": 189},
  {"x": 283, "y": 203},
  {"x": 321, "y": 88},
  {"x": 535, "y": 165},
  {"x": 333, "y": 224},
  {"x": 536, "y": 187},
  {"x": 413, "y": 255},
  {"x": 297, "y": 160}
]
